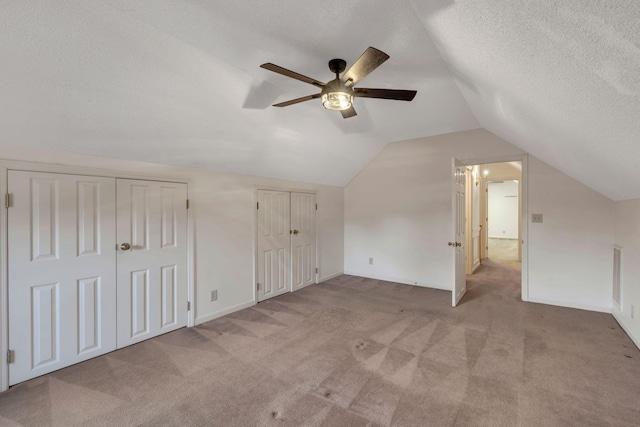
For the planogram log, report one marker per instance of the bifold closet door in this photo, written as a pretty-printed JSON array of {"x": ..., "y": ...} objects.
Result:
[
  {"x": 152, "y": 259},
  {"x": 303, "y": 239},
  {"x": 274, "y": 244},
  {"x": 62, "y": 284}
]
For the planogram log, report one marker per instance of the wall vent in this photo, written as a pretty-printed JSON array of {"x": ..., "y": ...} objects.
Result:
[{"x": 617, "y": 276}]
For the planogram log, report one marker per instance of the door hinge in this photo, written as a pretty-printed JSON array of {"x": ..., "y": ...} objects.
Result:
[
  {"x": 316, "y": 206},
  {"x": 8, "y": 200},
  {"x": 257, "y": 286},
  {"x": 316, "y": 270},
  {"x": 257, "y": 205},
  {"x": 187, "y": 203},
  {"x": 188, "y": 305},
  {"x": 11, "y": 356}
]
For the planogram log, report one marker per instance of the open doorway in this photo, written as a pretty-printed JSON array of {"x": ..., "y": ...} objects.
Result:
[
  {"x": 501, "y": 186},
  {"x": 502, "y": 222},
  {"x": 494, "y": 215},
  {"x": 473, "y": 269}
]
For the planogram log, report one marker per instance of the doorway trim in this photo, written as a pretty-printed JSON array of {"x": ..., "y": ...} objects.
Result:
[
  {"x": 524, "y": 158},
  {"x": 5, "y": 166}
]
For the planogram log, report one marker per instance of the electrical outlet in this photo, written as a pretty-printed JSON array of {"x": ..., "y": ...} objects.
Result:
[
  {"x": 214, "y": 295},
  {"x": 370, "y": 261},
  {"x": 536, "y": 218}
]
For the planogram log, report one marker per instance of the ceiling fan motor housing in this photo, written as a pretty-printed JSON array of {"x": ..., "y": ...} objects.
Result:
[
  {"x": 337, "y": 65},
  {"x": 337, "y": 85}
]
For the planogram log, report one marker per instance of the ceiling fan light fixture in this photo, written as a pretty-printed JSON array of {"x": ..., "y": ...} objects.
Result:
[
  {"x": 337, "y": 101},
  {"x": 338, "y": 93}
]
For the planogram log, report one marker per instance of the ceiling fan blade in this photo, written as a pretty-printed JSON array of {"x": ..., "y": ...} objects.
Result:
[
  {"x": 349, "y": 112},
  {"x": 371, "y": 59},
  {"x": 297, "y": 100},
  {"x": 397, "y": 94},
  {"x": 277, "y": 69}
]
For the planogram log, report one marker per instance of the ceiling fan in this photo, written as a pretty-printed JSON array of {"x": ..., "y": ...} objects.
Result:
[{"x": 338, "y": 94}]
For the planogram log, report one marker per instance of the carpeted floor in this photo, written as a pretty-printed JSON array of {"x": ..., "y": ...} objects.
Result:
[
  {"x": 504, "y": 252},
  {"x": 359, "y": 352}
]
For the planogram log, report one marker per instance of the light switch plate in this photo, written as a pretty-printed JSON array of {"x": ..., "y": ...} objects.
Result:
[{"x": 536, "y": 218}]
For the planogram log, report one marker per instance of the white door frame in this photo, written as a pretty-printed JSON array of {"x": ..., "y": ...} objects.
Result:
[
  {"x": 5, "y": 166},
  {"x": 524, "y": 200},
  {"x": 255, "y": 232}
]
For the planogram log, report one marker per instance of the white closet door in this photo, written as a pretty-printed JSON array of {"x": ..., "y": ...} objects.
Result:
[
  {"x": 303, "y": 240},
  {"x": 274, "y": 245},
  {"x": 151, "y": 259},
  {"x": 62, "y": 285}
]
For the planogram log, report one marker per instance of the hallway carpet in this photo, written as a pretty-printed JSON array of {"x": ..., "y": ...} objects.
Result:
[
  {"x": 504, "y": 252},
  {"x": 358, "y": 352}
]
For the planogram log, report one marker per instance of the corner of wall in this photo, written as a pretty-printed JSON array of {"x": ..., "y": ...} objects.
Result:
[
  {"x": 330, "y": 276},
  {"x": 217, "y": 314},
  {"x": 625, "y": 326}
]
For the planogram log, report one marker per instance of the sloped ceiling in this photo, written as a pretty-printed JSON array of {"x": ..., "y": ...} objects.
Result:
[
  {"x": 178, "y": 82},
  {"x": 559, "y": 79}
]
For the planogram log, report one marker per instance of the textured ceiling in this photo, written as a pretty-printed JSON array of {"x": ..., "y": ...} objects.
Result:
[
  {"x": 559, "y": 79},
  {"x": 178, "y": 82}
]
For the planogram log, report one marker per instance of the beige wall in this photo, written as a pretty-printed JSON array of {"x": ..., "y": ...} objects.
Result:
[
  {"x": 224, "y": 208},
  {"x": 571, "y": 252},
  {"x": 398, "y": 208},
  {"x": 398, "y": 211}
]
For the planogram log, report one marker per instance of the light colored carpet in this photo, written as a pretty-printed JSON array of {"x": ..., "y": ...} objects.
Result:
[
  {"x": 358, "y": 352},
  {"x": 505, "y": 252}
]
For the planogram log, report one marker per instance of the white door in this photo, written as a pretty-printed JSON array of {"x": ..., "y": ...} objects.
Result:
[
  {"x": 274, "y": 244},
  {"x": 303, "y": 239},
  {"x": 151, "y": 258},
  {"x": 62, "y": 284},
  {"x": 459, "y": 286}
]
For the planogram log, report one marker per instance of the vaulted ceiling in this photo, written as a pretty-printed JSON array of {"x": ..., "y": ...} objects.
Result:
[{"x": 178, "y": 82}]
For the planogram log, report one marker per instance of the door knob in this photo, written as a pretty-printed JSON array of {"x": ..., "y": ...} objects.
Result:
[
  {"x": 451, "y": 244},
  {"x": 458, "y": 244},
  {"x": 125, "y": 246},
  {"x": 295, "y": 231}
]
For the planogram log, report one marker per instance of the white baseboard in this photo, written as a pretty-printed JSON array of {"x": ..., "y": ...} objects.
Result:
[
  {"x": 217, "y": 314},
  {"x": 398, "y": 280},
  {"x": 475, "y": 267},
  {"x": 625, "y": 328},
  {"x": 571, "y": 305},
  {"x": 238, "y": 307},
  {"x": 302, "y": 287},
  {"x": 330, "y": 276}
]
